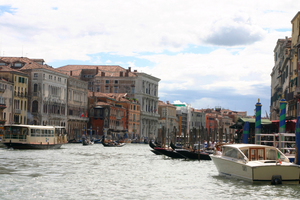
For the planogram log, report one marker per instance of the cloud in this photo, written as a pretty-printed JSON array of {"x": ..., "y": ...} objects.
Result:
[
  {"x": 234, "y": 32},
  {"x": 210, "y": 46}
]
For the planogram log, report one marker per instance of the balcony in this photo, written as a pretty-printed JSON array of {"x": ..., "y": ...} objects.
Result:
[
  {"x": 119, "y": 128},
  {"x": 2, "y": 106},
  {"x": 17, "y": 111},
  {"x": 2, "y": 121}
]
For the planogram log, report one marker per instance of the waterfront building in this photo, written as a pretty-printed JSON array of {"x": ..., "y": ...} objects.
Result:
[
  {"x": 77, "y": 107},
  {"x": 168, "y": 121},
  {"x": 19, "y": 99},
  {"x": 183, "y": 112},
  {"x": 280, "y": 77},
  {"x": 47, "y": 91},
  {"x": 146, "y": 92},
  {"x": 276, "y": 87},
  {"x": 6, "y": 95},
  {"x": 107, "y": 115},
  {"x": 133, "y": 115},
  {"x": 115, "y": 79},
  {"x": 197, "y": 119},
  {"x": 294, "y": 87}
]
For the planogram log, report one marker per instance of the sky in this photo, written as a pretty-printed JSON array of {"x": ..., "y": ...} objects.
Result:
[{"x": 206, "y": 53}]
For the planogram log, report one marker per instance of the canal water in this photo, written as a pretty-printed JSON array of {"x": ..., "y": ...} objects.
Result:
[{"x": 129, "y": 172}]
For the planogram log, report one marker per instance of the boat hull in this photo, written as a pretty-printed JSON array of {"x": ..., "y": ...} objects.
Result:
[
  {"x": 193, "y": 155},
  {"x": 171, "y": 154},
  {"x": 256, "y": 174},
  {"x": 32, "y": 146},
  {"x": 113, "y": 145}
]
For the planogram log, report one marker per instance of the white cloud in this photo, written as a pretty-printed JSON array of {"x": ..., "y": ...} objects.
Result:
[{"x": 54, "y": 30}]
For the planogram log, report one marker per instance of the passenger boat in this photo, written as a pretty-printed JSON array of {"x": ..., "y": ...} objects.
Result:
[
  {"x": 33, "y": 136},
  {"x": 256, "y": 163}
]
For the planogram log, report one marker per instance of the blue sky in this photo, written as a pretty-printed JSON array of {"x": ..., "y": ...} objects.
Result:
[{"x": 206, "y": 53}]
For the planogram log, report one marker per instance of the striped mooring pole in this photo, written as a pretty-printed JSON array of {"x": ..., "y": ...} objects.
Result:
[
  {"x": 257, "y": 122},
  {"x": 246, "y": 133},
  {"x": 282, "y": 115},
  {"x": 297, "y": 146}
]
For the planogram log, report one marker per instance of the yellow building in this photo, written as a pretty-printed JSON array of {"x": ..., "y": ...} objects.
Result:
[
  {"x": 20, "y": 93},
  {"x": 293, "y": 84}
]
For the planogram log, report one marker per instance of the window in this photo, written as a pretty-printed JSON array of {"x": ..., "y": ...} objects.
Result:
[
  {"x": 44, "y": 76},
  {"x": 107, "y": 81},
  {"x": 20, "y": 79},
  {"x": 35, "y": 75},
  {"x": 116, "y": 89},
  {"x": 35, "y": 105},
  {"x": 35, "y": 88},
  {"x": 23, "y": 80},
  {"x": 18, "y": 64},
  {"x": 116, "y": 81},
  {"x": 98, "y": 88}
]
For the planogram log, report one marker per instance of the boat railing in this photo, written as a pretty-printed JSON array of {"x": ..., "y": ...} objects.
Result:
[{"x": 284, "y": 141}]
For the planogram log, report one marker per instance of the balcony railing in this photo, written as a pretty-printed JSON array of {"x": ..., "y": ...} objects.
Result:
[
  {"x": 2, "y": 106},
  {"x": 17, "y": 111}
]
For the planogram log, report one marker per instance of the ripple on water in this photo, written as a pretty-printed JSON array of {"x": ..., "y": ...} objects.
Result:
[{"x": 130, "y": 172}]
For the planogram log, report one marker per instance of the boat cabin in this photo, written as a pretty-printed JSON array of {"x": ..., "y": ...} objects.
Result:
[{"x": 253, "y": 153}]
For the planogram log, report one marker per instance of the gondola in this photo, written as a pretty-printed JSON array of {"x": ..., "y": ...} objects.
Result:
[
  {"x": 155, "y": 152},
  {"x": 86, "y": 142},
  {"x": 193, "y": 155},
  {"x": 169, "y": 153},
  {"x": 173, "y": 146},
  {"x": 112, "y": 144},
  {"x": 74, "y": 141},
  {"x": 152, "y": 145}
]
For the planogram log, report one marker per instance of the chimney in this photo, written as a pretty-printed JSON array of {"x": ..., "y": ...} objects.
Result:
[
  {"x": 70, "y": 73},
  {"x": 168, "y": 102},
  {"x": 102, "y": 74},
  {"x": 121, "y": 74},
  {"x": 129, "y": 69},
  {"x": 97, "y": 70}
]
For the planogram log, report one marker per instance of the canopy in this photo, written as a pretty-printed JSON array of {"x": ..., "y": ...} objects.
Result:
[{"x": 239, "y": 124}]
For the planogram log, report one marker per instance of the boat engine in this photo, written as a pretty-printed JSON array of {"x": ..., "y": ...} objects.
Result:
[{"x": 276, "y": 180}]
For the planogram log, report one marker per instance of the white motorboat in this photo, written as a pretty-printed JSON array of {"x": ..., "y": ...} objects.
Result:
[{"x": 256, "y": 163}]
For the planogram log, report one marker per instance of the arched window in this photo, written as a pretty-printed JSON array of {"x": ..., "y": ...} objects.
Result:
[{"x": 35, "y": 106}]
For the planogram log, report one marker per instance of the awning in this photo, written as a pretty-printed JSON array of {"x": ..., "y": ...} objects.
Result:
[{"x": 241, "y": 121}]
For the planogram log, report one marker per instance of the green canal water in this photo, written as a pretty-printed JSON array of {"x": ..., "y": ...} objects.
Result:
[{"x": 129, "y": 172}]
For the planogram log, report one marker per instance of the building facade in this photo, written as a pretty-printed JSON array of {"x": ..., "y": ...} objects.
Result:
[
  {"x": 77, "y": 107},
  {"x": 115, "y": 79}
]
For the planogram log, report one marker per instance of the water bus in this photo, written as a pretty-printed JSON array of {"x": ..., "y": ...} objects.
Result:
[{"x": 33, "y": 136}]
